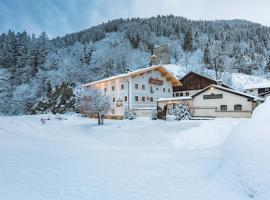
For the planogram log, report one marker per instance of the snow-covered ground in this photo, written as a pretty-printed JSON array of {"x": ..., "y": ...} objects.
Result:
[{"x": 138, "y": 159}]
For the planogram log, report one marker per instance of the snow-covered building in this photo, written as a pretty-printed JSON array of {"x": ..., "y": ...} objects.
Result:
[
  {"x": 216, "y": 101},
  {"x": 194, "y": 82},
  {"x": 137, "y": 90},
  {"x": 257, "y": 89}
]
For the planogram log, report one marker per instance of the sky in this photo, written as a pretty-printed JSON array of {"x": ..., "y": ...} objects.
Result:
[{"x": 59, "y": 17}]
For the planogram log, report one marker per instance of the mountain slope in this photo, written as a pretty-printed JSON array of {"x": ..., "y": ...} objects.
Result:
[{"x": 31, "y": 65}]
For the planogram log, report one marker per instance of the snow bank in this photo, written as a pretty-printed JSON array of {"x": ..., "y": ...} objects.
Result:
[
  {"x": 210, "y": 134},
  {"x": 246, "y": 153}
]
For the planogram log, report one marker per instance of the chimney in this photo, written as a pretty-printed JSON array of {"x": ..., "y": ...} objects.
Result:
[{"x": 219, "y": 82}]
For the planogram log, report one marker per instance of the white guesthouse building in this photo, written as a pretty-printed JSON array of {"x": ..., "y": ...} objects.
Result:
[{"x": 138, "y": 90}]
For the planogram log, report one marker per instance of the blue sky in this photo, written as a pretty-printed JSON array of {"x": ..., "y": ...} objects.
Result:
[{"x": 59, "y": 17}]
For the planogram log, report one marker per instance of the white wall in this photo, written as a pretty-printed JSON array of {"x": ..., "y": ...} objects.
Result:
[
  {"x": 158, "y": 90},
  {"x": 253, "y": 92},
  {"x": 130, "y": 82},
  {"x": 211, "y": 107}
]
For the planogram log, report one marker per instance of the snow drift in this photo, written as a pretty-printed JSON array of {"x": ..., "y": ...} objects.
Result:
[
  {"x": 246, "y": 157},
  {"x": 207, "y": 135}
]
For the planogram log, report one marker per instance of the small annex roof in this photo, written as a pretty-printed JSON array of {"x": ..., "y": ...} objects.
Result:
[
  {"x": 160, "y": 68},
  {"x": 257, "y": 86},
  {"x": 255, "y": 98},
  {"x": 204, "y": 76},
  {"x": 174, "y": 98},
  {"x": 265, "y": 93}
]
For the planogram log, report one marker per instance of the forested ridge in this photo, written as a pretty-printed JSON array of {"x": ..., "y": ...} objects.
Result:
[{"x": 32, "y": 67}]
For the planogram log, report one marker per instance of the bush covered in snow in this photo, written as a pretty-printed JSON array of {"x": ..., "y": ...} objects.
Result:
[
  {"x": 130, "y": 115},
  {"x": 246, "y": 153},
  {"x": 154, "y": 116},
  {"x": 181, "y": 112}
]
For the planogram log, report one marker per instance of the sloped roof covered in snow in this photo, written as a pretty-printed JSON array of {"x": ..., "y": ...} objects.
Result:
[
  {"x": 254, "y": 98},
  {"x": 160, "y": 68},
  {"x": 207, "y": 77},
  {"x": 257, "y": 85}
]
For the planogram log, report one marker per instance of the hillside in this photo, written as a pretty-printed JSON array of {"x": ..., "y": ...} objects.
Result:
[{"x": 32, "y": 66}]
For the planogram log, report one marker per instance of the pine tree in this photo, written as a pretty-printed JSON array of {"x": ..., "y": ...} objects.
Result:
[
  {"x": 267, "y": 68},
  {"x": 206, "y": 56},
  {"x": 188, "y": 41}
]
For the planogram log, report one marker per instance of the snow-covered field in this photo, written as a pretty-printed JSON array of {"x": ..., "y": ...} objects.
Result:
[{"x": 222, "y": 159}]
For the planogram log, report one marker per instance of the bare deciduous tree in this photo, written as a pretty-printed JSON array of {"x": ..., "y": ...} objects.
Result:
[{"x": 93, "y": 102}]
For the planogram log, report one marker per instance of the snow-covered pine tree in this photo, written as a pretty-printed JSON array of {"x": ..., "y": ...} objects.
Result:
[
  {"x": 206, "y": 56},
  {"x": 188, "y": 41},
  {"x": 267, "y": 67}
]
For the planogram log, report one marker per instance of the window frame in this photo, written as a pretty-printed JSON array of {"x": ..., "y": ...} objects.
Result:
[
  {"x": 143, "y": 87},
  {"x": 223, "y": 106},
  {"x": 238, "y": 105}
]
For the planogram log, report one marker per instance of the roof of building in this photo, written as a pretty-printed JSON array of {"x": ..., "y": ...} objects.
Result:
[
  {"x": 204, "y": 76},
  {"x": 255, "y": 98},
  {"x": 265, "y": 93},
  {"x": 257, "y": 85},
  {"x": 174, "y": 98},
  {"x": 160, "y": 68}
]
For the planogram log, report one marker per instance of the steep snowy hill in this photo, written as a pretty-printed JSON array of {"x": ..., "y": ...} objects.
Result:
[{"x": 35, "y": 65}]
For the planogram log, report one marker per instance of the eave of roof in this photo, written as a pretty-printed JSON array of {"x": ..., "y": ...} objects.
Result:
[
  {"x": 254, "y": 98},
  {"x": 174, "y": 80},
  {"x": 201, "y": 75},
  {"x": 174, "y": 98},
  {"x": 257, "y": 86}
]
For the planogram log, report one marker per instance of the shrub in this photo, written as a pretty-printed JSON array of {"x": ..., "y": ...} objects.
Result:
[
  {"x": 181, "y": 112},
  {"x": 130, "y": 115}
]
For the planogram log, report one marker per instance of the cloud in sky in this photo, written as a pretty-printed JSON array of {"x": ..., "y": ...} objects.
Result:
[{"x": 59, "y": 17}]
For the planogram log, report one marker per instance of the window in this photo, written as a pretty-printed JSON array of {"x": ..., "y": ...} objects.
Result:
[
  {"x": 177, "y": 94},
  {"x": 164, "y": 89},
  {"x": 143, "y": 87},
  {"x": 169, "y": 90},
  {"x": 125, "y": 98},
  {"x": 223, "y": 107},
  {"x": 157, "y": 88},
  {"x": 251, "y": 90},
  {"x": 187, "y": 93},
  {"x": 136, "y": 98},
  {"x": 237, "y": 107},
  {"x": 122, "y": 86},
  {"x": 151, "y": 99},
  {"x": 181, "y": 94},
  {"x": 113, "y": 99},
  {"x": 113, "y": 88},
  {"x": 136, "y": 86},
  {"x": 113, "y": 111},
  {"x": 143, "y": 98},
  {"x": 105, "y": 89},
  {"x": 151, "y": 89}
]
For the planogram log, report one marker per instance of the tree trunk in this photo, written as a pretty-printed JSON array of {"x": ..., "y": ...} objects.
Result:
[
  {"x": 99, "y": 121},
  {"x": 102, "y": 119}
]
